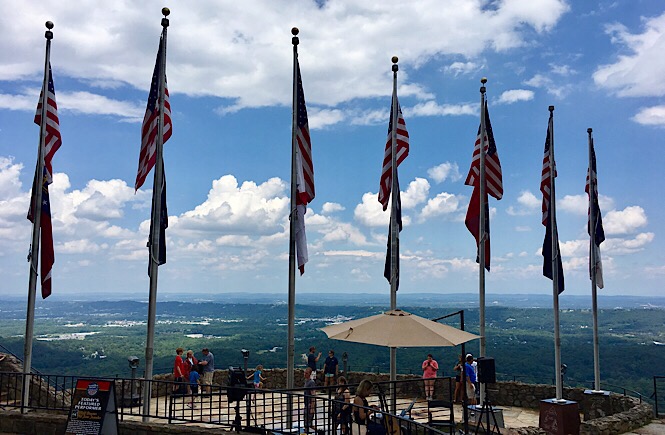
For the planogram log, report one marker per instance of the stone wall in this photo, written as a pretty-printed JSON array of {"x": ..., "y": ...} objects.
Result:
[
  {"x": 614, "y": 414},
  {"x": 55, "y": 424}
]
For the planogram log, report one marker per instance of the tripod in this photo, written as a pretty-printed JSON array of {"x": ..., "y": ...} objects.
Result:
[{"x": 486, "y": 411}]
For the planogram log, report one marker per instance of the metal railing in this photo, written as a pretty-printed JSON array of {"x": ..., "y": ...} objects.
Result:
[
  {"x": 619, "y": 390},
  {"x": 659, "y": 405},
  {"x": 239, "y": 408}
]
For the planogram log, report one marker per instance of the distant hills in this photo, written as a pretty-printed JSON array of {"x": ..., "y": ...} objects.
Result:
[{"x": 457, "y": 300}]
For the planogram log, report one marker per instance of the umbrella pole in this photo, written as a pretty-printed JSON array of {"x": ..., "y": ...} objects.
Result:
[{"x": 465, "y": 410}]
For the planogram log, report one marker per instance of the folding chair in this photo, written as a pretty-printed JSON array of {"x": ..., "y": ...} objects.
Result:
[{"x": 440, "y": 415}]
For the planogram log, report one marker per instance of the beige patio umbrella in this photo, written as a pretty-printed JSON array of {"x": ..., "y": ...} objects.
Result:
[{"x": 397, "y": 328}]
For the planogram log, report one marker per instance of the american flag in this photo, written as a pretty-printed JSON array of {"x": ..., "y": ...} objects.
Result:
[
  {"x": 546, "y": 174},
  {"x": 304, "y": 173},
  {"x": 597, "y": 227},
  {"x": 304, "y": 167},
  {"x": 147, "y": 156},
  {"x": 549, "y": 220},
  {"x": 402, "y": 150},
  {"x": 493, "y": 184},
  {"x": 493, "y": 175},
  {"x": 53, "y": 139}
]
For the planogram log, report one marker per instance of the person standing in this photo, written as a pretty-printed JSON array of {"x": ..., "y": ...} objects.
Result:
[
  {"x": 208, "y": 363},
  {"x": 361, "y": 408},
  {"x": 190, "y": 364},
  {"x": 430, "y": 367},
  {"x": 470, "y": 379},
  {"x": 310, "y": 401},
  {"x": 330, "y": 369},
  {"x": 457, "y": 397},
  {"x": 179, "y": 372},
  {"x": 342, "y": 408},
  {"x": 312, "y": 360},
  {"x": 257, "y": 377},
  {"x": 194, "y": 379}
]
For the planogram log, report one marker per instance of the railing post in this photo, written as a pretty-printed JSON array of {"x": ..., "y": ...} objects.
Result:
[{"x": 655, "y": 394}]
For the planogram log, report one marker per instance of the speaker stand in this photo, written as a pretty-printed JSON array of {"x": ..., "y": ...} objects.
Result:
[{"x": 487, "y": 410}]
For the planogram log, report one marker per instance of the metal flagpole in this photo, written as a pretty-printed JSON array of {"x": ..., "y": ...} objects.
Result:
[
  {"x": 156, "y": 214},
  {"x": 593, "y": 260},
  {"x": 481, "y": 230},
  {"x": 36, "y": 228},
  {"x": 394, "y": 251},
  {"x": 393, "y": 216},
  {"x": 555, "y": 268},
  {"x": 290, "y": 375}
]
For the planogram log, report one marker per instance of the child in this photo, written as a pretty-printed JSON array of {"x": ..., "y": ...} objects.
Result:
[
  {"x": 194, "y": 380},
  {"x": 258, "y": 377}
]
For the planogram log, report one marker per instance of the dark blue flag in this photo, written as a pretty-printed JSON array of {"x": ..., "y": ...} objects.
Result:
[
  {"x": 398, "y": 215},
  {"x": 163, "y": 224}
]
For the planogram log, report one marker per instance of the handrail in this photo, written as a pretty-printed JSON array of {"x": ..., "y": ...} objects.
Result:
[
  {"x": 257, "y": 409},
  {"x": 655, "y": 395}
]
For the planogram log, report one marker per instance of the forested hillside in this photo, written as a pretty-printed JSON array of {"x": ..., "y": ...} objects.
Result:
[{"x": 95, "y": 338}]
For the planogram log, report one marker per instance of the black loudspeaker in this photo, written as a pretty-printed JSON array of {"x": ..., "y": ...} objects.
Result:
[
  {"x": 237, "y": 385},
  {"x": 486, "y": 370}
]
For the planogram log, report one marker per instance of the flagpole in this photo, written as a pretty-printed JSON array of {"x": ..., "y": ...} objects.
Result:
[
  {"x": 293, "y": 216},
  {"x": 555, "y": 268},
  {"x": 393, "y": 215},
  {"x": 158, "y": 182},
  {"x": 593, "y": 263},
  {"x": 482, "y": 236},
  {"x": 36, "y": 227}
]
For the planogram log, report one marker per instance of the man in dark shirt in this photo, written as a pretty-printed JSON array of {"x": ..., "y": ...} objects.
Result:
[
  {"x": 330, "y": 369},
  {"x": 312, "y": 360}
]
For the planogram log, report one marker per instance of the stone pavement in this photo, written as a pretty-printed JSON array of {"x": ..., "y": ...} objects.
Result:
[{"x": 657, "y": 427}]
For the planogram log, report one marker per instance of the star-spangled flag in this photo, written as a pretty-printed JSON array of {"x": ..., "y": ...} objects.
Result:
[
  {"x": 493, "y": 186},
  {"x": 549, "y": 220},
  {"x": 493, "y": 174},
  {"x": 401, "y": 151},
  {"x": 163, "y": 223},
  {"x": 47, "y": 258},
  {"x": 398, "y": 216},
  {"x": 304, "y": 173},
  {"x": 597, "y": 227},
  {"x": 53, "y": 139},
  {"x": 150, "y": 127}
]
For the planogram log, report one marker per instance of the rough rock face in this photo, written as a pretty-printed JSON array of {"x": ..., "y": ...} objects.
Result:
[
  {"x": 9, "y": 363},
  {"x": 41, "y": 393}
]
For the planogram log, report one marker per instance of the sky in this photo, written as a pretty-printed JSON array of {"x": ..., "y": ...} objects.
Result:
[{"x": 229, "y": 69}]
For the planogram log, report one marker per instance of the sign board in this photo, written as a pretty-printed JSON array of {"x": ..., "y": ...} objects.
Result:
[{"x": 93, "y": 410}]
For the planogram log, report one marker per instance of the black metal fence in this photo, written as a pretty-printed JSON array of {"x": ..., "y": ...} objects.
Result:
[
  {"x": 659, "y": 399},
  {"x": 240, "y": 408}
]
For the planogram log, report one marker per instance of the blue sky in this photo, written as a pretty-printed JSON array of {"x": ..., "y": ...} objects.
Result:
[{"x": 227, "y": 164}]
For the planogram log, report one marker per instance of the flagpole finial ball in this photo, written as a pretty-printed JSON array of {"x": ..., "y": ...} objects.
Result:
[
  {"x": 395, "y": 59},
  {"x": 551, "y": 108},
  {"x": 589, "y": 130},
  {"x": 49, "y": 25},
  {"x": 295, "y": 31},
  {"x": 483, "y": 80},
  {"x": 166, "y": 12}
]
